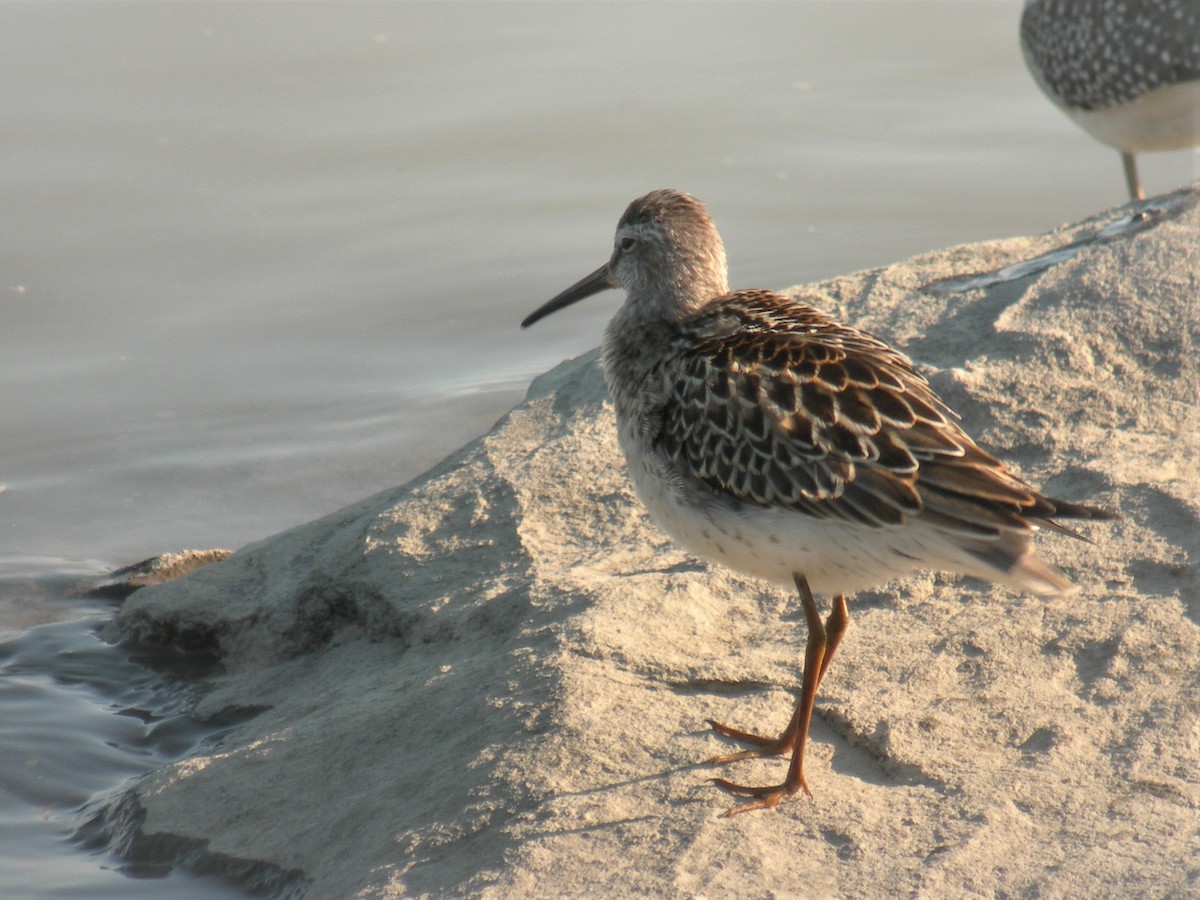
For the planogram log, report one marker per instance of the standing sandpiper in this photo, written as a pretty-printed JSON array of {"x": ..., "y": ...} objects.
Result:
[
  {"x": 763, "y": 435},
  {"x": 1126, "y": 71}
]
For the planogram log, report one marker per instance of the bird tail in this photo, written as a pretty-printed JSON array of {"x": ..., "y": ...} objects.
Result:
[
  {"x": 1064, "y": 509},
  {"x": 1030, "y": 572},
  {"x": 1034, "y": 574},
  {"x": 1012, "y": 562}
]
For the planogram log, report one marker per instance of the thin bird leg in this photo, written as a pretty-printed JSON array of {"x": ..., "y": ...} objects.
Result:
[
  {"x": 816, "y": 661},
  {"x": 835, "y": 627},
  {"x": 1131, "y": 176}
]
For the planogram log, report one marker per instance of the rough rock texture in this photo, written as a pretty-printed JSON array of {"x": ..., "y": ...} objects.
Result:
[{"x": 494, "y": 679}]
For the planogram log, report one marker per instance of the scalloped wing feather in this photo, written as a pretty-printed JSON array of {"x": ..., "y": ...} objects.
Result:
[{"x": 778, "y": 405}]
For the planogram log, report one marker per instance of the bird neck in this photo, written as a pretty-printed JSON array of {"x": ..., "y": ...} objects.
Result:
[{"x": 633, "y": 345}]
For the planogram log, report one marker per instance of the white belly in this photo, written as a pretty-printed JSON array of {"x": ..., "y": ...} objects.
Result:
[
  {"x": 774, "y": 543},
  {"x": 1166, "y": 118}
]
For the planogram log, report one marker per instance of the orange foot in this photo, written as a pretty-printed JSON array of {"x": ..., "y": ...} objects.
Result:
[
  {"x": 762, "y": 746},
  {"x": 764, "y": 797}
]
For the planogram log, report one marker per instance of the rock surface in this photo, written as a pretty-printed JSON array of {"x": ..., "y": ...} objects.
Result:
[{"x": 494, "y": 679}]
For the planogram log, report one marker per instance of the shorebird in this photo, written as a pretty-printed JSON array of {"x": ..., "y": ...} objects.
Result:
[
  {"x": 1126, "y": 71},
  {"x": 763, "y": 435}
]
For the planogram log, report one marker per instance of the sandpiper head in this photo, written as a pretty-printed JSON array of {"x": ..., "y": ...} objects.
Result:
[{"x": 667, "y": 257}]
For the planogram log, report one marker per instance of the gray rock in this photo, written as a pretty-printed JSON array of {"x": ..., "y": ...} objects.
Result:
[{"x": 494, "y": 679}]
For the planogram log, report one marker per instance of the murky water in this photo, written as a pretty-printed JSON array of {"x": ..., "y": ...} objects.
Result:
[{"x": 258, "y": 261}]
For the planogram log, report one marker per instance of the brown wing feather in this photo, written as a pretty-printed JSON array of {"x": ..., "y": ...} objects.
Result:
[{"x": 778, "y": 405}]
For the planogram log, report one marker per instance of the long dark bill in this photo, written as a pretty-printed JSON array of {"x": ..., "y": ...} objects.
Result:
[{"x": 585, "y": 287}]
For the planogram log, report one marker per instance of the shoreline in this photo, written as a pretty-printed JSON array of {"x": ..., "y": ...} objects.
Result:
[{"x": 494, "y": 678}]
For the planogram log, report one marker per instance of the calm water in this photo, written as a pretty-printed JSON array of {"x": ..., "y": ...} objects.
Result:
[{"x": 258, "y": 261}]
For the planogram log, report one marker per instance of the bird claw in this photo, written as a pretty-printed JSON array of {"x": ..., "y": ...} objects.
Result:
[
  {"x": 761, "y": 746},
  {"x": 762, "y": 797}
]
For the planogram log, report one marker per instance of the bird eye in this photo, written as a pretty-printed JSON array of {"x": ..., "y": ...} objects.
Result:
[{"x": 627, "y": 243}]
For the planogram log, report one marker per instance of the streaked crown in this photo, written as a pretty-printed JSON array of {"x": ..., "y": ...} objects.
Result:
[{"x": 668, "y": 256}]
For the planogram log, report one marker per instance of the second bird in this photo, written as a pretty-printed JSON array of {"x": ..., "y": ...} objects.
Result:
[{"x": 1125, "y": 71}]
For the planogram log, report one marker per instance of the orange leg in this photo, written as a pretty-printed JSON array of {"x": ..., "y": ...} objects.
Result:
[{"x": 823, "y": 640}]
